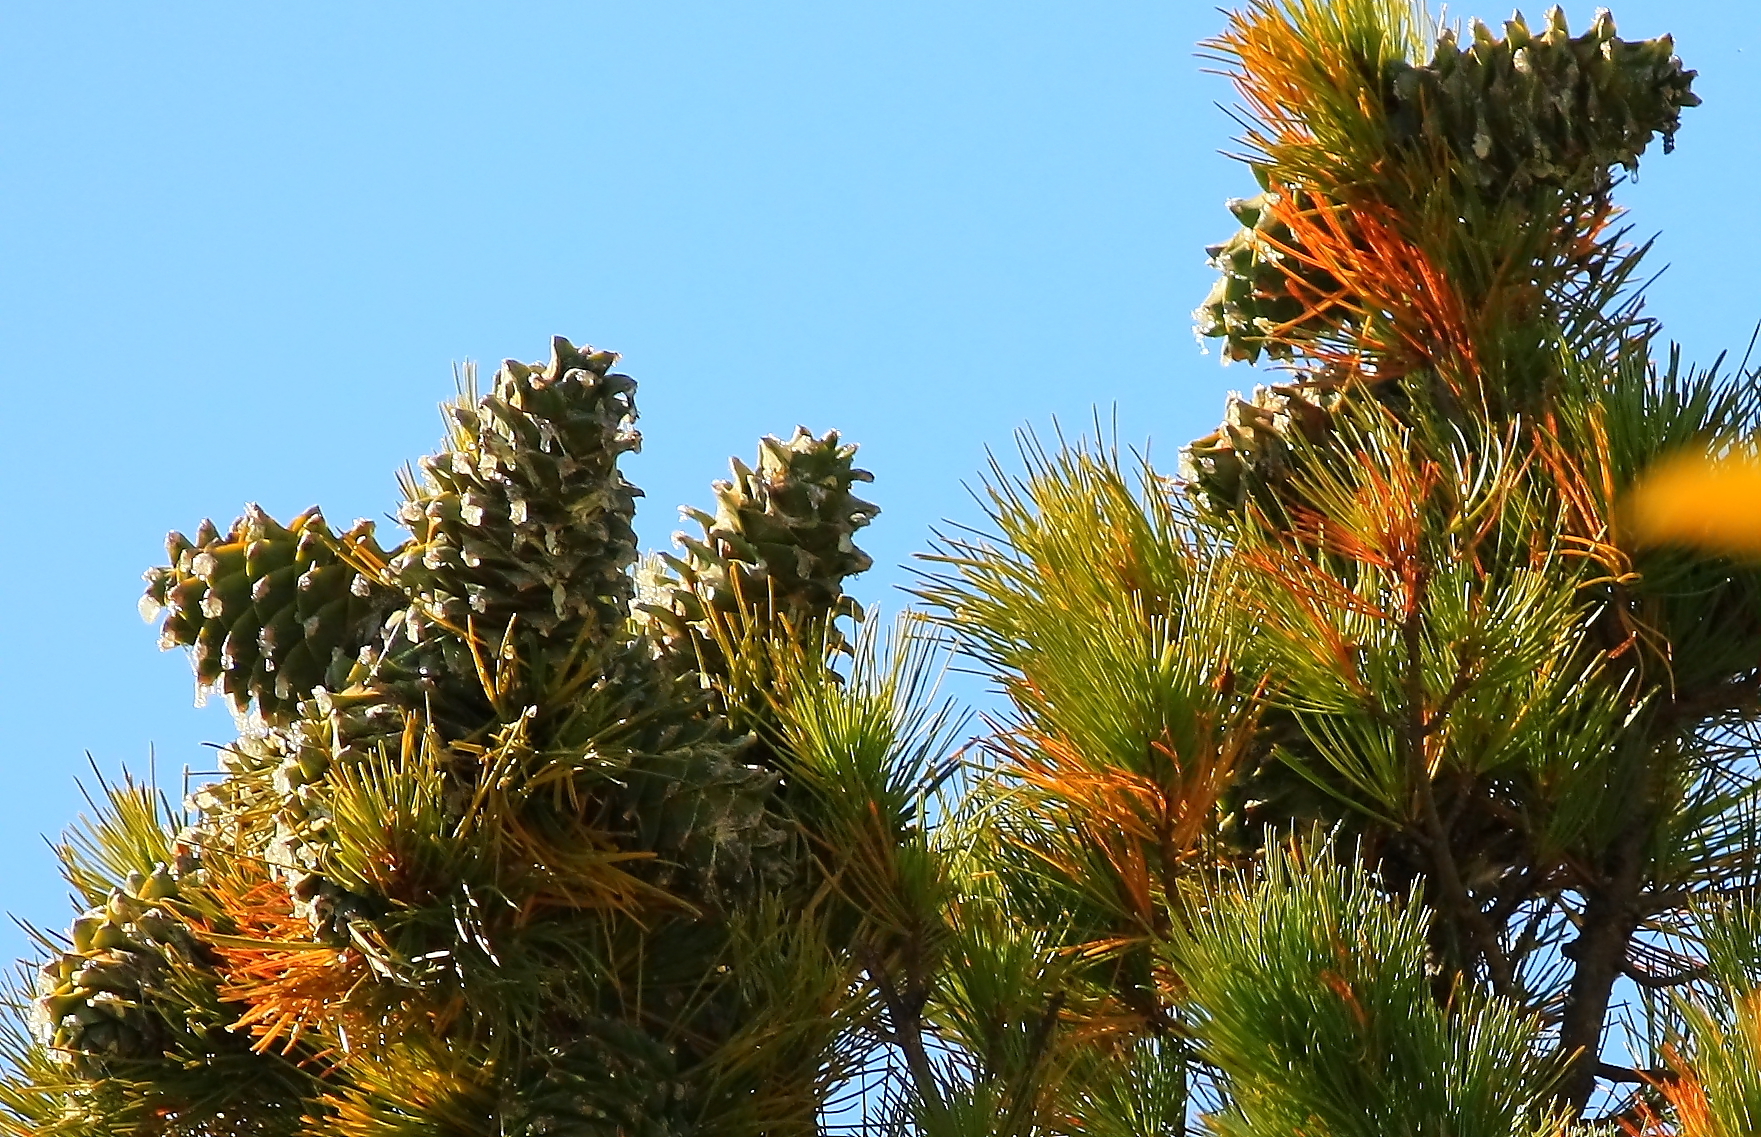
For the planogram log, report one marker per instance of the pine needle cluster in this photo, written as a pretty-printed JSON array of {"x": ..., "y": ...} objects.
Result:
[
  {"x": 500, "y": 848},
  {"x": 1390, "y": 769}
]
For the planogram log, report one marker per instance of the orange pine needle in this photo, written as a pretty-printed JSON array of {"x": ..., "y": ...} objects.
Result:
[
  {"x": 1408, "y": 310},
  {"x": 287, "y": 983}
]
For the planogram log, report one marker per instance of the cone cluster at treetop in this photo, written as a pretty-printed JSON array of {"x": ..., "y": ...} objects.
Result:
[
  {"x": 493, "y": 824},
  {"x": 1377, "y": 775}
]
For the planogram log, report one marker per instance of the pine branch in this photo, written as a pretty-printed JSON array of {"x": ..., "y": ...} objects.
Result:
[
  {"x": 1653, "y": 982},
  {"x": 1435, "y": 837},
  {"x": 905, "y": 1030},
  {"x": 1599, "y": 952}
]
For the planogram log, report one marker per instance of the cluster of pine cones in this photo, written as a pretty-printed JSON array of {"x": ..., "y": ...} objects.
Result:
[{"x": 504, "y": 645}]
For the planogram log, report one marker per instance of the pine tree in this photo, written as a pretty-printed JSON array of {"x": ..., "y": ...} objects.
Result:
[
  {"x": 500, "y": 848},
  {"x": 1392, "y": 767},
  {"x": 1390, "y": 770}
]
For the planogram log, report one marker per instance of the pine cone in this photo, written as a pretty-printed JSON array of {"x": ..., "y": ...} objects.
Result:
[
  {"x": 1251, "y": 449},
  {"x": 270, "y": 611},
  {"x": 102, "y": 999},
  {"x": 524, "y": 514},
  {"x": 778, "y": 548}
]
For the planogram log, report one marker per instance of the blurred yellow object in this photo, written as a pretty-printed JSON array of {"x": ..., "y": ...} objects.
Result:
[{"x": 1697, "y": 500}]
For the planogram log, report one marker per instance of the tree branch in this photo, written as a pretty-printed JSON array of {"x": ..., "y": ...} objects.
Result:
[
  {"x": 904, "y": 1018},
  {"x": 1609, "y": 1072},
  {"x": 1464, "y": 679},
  {"x": 1600, "y": 951},
  {"x": 1654, "y": 982},
  {"x": 1419, "y": 726}
]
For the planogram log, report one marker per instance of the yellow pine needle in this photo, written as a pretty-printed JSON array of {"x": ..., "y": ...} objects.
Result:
[{"x": 1703, "y": 502}]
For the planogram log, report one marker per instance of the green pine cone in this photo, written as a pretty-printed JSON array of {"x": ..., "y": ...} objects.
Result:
[
  {"x": 271, "y": 612},
  {"x": 1250, "y": 451},
  {"x": 1543, "y": 109},
  {"x": 1520, "y": 121},
  {"x": 111, "y": 997},
  {"x": 705, "y": 812},
  {"x": 1251, "y": 307},
  {"x": 272, "y": 804},
  {"x": 779, "y": 546},
  {"x": 613, "y": 1080},
  {"x": 524, "y": 515}
]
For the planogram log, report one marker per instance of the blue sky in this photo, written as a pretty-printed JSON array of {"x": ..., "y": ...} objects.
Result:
[{"x": 243, "y": 244}]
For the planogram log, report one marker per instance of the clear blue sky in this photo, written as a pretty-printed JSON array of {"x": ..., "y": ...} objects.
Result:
[{"x": 242, "y": 244}]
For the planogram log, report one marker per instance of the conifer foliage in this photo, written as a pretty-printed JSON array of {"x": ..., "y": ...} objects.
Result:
[
  {"x": 1380, "y": 766},
  {"x": 1387, "y": 771},
  {"x": 498, "y": 849}
]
